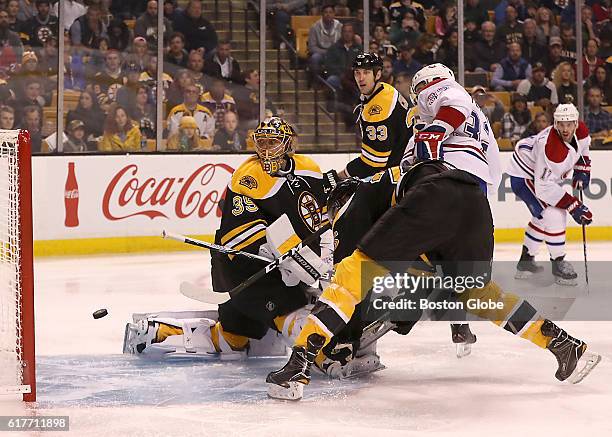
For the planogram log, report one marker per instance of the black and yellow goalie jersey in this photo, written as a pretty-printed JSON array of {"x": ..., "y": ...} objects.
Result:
[
  {"x": 385, "y": 130},
  {"x": 253, "y": 201},
  {"x": 359, "y": 214}
]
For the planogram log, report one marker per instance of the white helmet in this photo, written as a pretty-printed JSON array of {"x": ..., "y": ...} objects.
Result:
[
  {"x": 566, "y": 112},
  {"x": 428, "y": 74}
]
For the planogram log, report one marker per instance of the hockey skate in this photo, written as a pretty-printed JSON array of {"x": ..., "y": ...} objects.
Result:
[
  {"x": 563, "y": 272},
  {"x": 526, "y": 266},
  {"x": 575, "y": 363},
  {"x": 288, "y": 383},
  {"x": 463, "y": 338},
  {"x": 344, "y": 363}
]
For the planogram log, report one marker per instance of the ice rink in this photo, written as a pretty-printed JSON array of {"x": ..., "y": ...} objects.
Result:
[{"x": 506, "y": 387}]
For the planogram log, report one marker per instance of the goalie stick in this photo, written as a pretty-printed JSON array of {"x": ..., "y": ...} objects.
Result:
[{"x": 202, "y": 294}]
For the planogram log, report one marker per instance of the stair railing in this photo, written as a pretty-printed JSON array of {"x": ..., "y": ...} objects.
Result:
[
  {"x": 319, "y": 107},
  {"x": 294, "y": 76},
  {"x": 248, "y": 27}
]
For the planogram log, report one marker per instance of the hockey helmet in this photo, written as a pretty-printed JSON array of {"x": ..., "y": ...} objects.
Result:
[
  {"x": 340, "y": 195},
  {"x": 428, "y": 74},
  {"x": 566, "y": 112},
  {"x": 368, "y": 61},
  {"x": 273, "y": 140}
]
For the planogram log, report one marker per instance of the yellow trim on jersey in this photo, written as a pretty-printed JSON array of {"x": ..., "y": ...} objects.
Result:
[
  {"x": 239, "y": 230},
  {"x": 381, "y": 106},
  {"x": 375, "y": 152},
  {"x": 372, "y": 163},
  {"x": 289, "y": 244},
  {"x": 395, "y": 173},
  {"x": 254, "y": 238},
  {"x": 303, "y": 162}
]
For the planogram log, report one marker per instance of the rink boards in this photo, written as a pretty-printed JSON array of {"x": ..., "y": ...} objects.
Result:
[{"x": 125, "y": 201}]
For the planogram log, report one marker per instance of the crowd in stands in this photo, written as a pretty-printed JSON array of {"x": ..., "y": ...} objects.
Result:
[
  {"x": 521, "y": 50},
  {"x": 110, "y": 77},
  {"x": 520, "y": 62}
]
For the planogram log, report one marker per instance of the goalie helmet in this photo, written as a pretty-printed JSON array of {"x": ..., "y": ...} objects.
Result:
[
  {"x": 273, "y": 140},
  {"x": 566, "y": 112},
  {"x": 427, "y": 75},
  {"x": 340, "y": 195}
]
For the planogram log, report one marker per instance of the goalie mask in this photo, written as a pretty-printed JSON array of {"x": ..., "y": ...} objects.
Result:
[
  {"x": 340, "y": 195},
  {"x": 273, "y": 142}
]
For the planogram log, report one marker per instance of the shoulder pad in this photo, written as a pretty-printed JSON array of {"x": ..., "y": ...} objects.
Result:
[
  {"x": 250, "y": 180},
  {"x": 305, "y": 163},
  {"x": 381, "y": 106}
]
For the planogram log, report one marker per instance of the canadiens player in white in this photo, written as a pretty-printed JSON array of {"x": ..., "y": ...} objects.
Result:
[
  {"x": 456, "y": 130},
  {"x": 538, "y": 167}
]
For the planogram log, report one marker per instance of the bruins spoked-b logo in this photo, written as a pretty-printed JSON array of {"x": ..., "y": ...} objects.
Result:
[
  {"x": 248, "y": 181},
  {"x": 374, "y": 110},
  {"x": 310, "y": 211}
]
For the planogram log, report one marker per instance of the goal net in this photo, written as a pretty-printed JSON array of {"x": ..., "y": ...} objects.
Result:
[{"x": 16, "y": 276}]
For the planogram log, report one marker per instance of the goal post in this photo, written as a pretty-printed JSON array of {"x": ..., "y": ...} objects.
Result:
[{"x": 17, "y": 358}]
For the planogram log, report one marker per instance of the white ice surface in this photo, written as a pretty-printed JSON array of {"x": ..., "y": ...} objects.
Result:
[{"x": 505, "y": 388}]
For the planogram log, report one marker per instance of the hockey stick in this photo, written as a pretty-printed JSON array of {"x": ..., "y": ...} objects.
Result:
[
  {"x": 584, "y": 247},
  {"x": 213, "y": 246},
  {"x": 292, "y": 253},
  {"x": 201, "y": 294}
]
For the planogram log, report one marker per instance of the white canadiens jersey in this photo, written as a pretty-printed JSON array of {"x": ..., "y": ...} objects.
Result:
[
  {"x": 471, "y": 146},
  {"x": 547, "y": 160}
]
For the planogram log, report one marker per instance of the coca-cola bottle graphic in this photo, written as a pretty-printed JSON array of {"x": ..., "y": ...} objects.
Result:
[{"x": 71, "y": 198}]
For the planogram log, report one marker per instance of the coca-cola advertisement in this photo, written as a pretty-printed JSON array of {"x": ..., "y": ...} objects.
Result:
[{"x": 71, "y": 198}]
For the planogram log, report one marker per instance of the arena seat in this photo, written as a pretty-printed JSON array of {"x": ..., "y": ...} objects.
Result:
[
  {"x": 301, "y": 24},
  {"x": 505, "y": 144},
  {"x": 503, "y": 96}
]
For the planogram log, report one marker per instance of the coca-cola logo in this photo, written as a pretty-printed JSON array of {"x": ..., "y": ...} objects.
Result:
[
  {"x": 71, "y": 194},
  {"x": 191, "y": 195}
]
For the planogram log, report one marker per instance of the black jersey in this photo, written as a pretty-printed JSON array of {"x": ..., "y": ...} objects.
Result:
[
  {"x": 253, "y": 201},
  {"x": 385, "y": 127}
]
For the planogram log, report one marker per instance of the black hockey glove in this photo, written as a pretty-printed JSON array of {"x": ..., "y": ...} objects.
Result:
[{"x": 330, "y": 180}]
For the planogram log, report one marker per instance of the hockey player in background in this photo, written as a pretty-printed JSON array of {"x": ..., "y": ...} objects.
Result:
[
  {"x": 439, "y": 212},
  {"x": 267, "y": 186},
  {"x": 539, "y": 165},
  {"x": 383, "y": 122}
]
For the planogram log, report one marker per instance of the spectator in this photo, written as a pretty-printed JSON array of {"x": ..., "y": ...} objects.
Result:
[
  {"x": 405, "y": 63},
  {"x": 49, "y": 60},
  {"x": 597, "y": 119},
  {"x": 247, "y": 101},
  {"x": 190, "y": 106},
  {"x": 74, "y": 69},
  {"x": 223, "y": 65},
  {"x": 379, "y": 14},
  {"x": 488, "y": 52},
  {"x": 89, "y": 112},
  {"x": 387, "y": 71},
  {"x": 139, "y": 54},
  {"x": 126, "y": 95},
  {"x": 398, "y": 11},
  {"x": 121, "y": 134},
  {"x": 357, "y": 23},
  {"x": 569, "y": 41},
  {"x": 42, "y": 26},
  {"x": 282, "y": 11},
  {"x": 71, "y": 9},
  {"x": 512, "y": 69},
  {"x": 341, "y": 55},
  {"x": 111, "y": 78},
  {"x": 380, "y": 36},
  {"x": 555, "y": 48},
  {"x": 228, "y": 138},
  {"x": 15, "y": 24},
  {"x": 29, "y": 70},
  {"x": 402, "y": 84},
  {"x": 32, "y": 122},
  {"x": 75, "y": 141},
  {"x": 533, "y": 46},
  {"x": 146, "y": 25},
  {"x": 176, "y": 55},
  {"x": 118, "y": 35},
  {"x": 198, "y": 32},
  {"x": 186, "y": 138},
  {"x": 446, "y": 20},
  {"x": 176, "y": 91},
  {"x": 195, "y": 63},
  {"x": 540, "y": 122},
  {"x": 601, "y": 79},
  {"x": 321, "y": 36},
  {"x": 515, "y": 122},
  {"x": 502, "y": 8},
  {"x": 149, "y": 77},
  {"x": 565, "y": 81},
  {"x": 475, "y": 12},
  {"x": 448, "y": 51},
  {"x": 27, "y": 10},
  {"x": 11, "y": 48},
  {"x": 590, "y": 60},
  {"x": 32, "y": 95},
  {"x": 407, "y": 32},
  {"x": 142, "y": 111},
  {"x": 7, "y": 117},
  {"x": 171, "y": 10},
  {"x": 511, "y": 31},
  {"x": 125, "y": 9},
  {"x": 490, "y": 105},
  {"x": 424, "y": 52},
  {"x": 588, "y": 28},
  {"x": 218, "y": 102},
  {"x": 87, "y": 30},
  {"x": 546, "y": 24},
  {"x": 539, "y": 89}
]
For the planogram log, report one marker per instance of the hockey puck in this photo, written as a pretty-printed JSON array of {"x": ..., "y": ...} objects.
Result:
[{"x": 100, "y": 313}]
